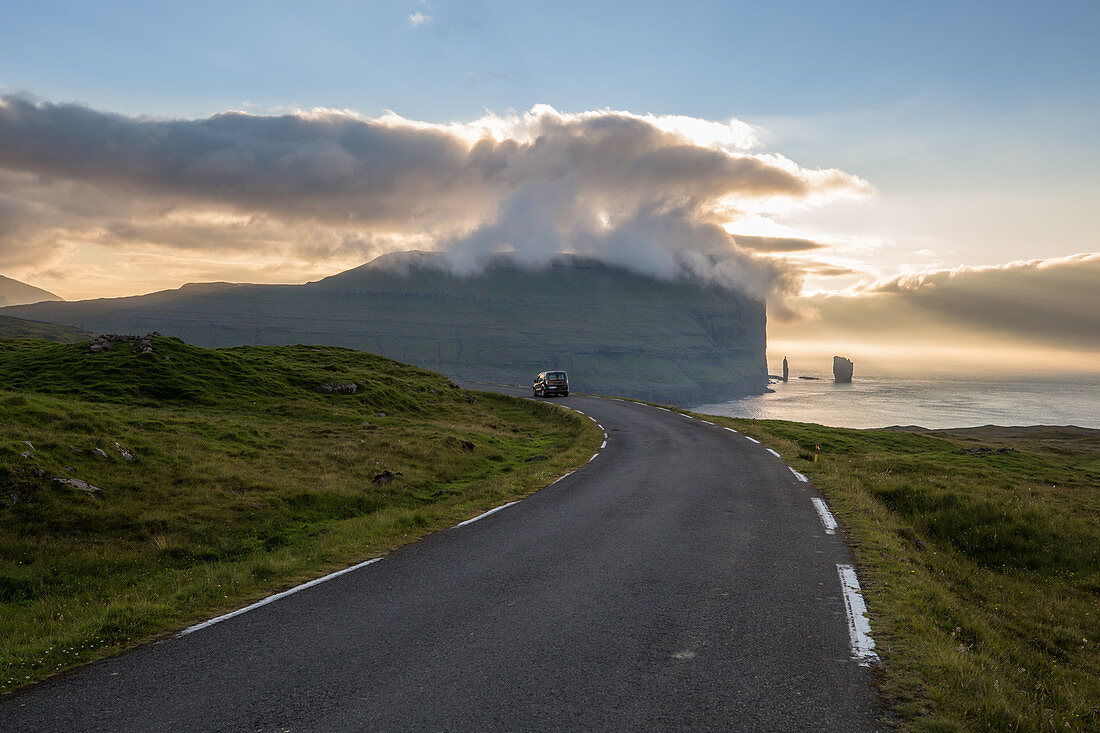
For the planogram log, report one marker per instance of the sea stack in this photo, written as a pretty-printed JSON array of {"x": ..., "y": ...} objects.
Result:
[
  {"x": 786, "y": 371},
  {"x": 842, "y": 369}
]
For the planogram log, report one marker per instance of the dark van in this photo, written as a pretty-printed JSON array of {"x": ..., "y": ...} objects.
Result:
[{"x": 548, "y": 384}]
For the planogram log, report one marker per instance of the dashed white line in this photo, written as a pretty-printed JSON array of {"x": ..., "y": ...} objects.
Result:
[
  {"x": 594, "y": 456},
  {"x": 603, "y": 444},
  {"x": 482, "y": 516},
  {"x": 663, "y": 409},
  {"x": 799, "y": 476},
  {"x": 708, "y": 422},
  {"x": 752, "y": 439},
  {"x": 769, "y": 450},
  {"x": 825, "y": 515},
  {"x": 859, "y": 628},
  {"x": 689, "y": 417},
  {"x": 277, "y": 596},
  {"x": 730, "y": 429}
]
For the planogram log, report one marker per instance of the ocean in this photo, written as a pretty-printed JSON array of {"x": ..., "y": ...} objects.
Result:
[{"x": 879, "y": 401}]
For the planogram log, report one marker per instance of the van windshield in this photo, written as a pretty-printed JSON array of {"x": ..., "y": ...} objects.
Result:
[{"x": 555, "y": 375}]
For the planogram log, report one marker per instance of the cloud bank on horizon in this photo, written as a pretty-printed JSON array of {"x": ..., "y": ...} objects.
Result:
[
  {"x": 301, "y": 195},
  {"x": 656, "y": 194}
]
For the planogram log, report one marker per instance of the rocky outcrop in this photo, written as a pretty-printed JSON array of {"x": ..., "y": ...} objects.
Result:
[
  {"x": 103, "y": 342},
  {"x": 842, "y": 369}
]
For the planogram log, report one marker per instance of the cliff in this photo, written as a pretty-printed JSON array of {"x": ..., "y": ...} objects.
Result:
[{"x": 615, "y": 331}]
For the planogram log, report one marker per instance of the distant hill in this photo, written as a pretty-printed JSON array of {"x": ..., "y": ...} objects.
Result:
[
  {"x": 617, "y": 332},
  {"x": 17, "y": 328},
  {"x": 13, "y": 292}
]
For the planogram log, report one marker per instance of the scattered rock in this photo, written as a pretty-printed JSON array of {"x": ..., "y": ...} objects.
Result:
[
  {"x": 452, "y": 385},
  {"x": 350, "y": 388},
  {"x": 384, "y": 478},
  {"x": 99, "y": 452},
  {"x": 471, "y": 399},
  {"x": 78, "y": 484},
  {"x": 125, "y": 453},
  {"x": 461, "y": 443},
  {"x": 379, "y": 414},
  {"x": 433, "y": 391},
  {"x": 532, "y": 459},
  {"x": 26, "y": 454},
  {"x": 28, "y": 444}
]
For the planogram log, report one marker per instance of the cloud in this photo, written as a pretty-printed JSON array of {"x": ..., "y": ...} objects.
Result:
[
  {"x": 654, "y": 193},
  {"x": 777, "y": 244},
  {"x": 419, "y": 18},
  {"x": 1051, "y": 302}
]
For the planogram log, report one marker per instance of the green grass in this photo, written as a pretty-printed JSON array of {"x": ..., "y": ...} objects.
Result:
[
  {"x": 243, "y": 481},
  {"x": 981, "y": 571}
]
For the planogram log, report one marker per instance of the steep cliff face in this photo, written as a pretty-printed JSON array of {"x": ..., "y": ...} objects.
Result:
[
  {"x": 615, "y": 331},
  {"x": 842, "y": 369}
]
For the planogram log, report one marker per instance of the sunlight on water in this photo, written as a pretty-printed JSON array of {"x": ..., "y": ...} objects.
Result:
[{"x": 872, "y": 402}]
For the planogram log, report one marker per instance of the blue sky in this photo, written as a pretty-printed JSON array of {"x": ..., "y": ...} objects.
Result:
[
  {"x": 710, "y": 60},
  {"x": 973, "y": 124}
]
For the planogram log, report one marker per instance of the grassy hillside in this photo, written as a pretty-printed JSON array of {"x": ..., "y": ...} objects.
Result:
[
  {"x": 213, "y": 478},
  {"x": 615, "y": 331},
  {"x": 979, "y": 554},
  {"x": 17, "y": 328}
]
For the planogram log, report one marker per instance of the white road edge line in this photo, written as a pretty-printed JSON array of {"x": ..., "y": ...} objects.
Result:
[
  {"x": 277, "y": 596},
  {"x": 708, "y": 422},
  {"x": 603, "y": 444},
  {"x": 731, "y": 430},
  {"x": 859, "y": 628},
  {"x": 769, "y": 450},
  {"x": 594, "y": 456},
  {"x": 664, "y": 409},
  {"x": 559, "y": 478},
  {"x": 826, "y": 516},
  {"x": 482, "y": 516},
  {"x": 752, "y": 439},
  {"x": 689, "y": 417},
  {"x": 799, "y": 476}
]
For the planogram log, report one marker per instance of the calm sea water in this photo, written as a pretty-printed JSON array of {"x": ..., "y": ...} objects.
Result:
[{"x": 873, "y": 402}]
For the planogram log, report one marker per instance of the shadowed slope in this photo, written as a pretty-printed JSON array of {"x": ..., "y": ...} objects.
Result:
[{"x": 617, "y": 332}]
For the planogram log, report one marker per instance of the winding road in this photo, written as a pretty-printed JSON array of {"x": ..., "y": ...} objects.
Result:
[{"x": 682, "y": 579}]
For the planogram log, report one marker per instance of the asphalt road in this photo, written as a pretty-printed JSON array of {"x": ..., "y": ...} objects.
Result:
[{"x": 680, "y": 580}]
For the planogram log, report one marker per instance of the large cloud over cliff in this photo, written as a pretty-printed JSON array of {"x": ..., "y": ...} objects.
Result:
[{"x": 658, "y": 194}]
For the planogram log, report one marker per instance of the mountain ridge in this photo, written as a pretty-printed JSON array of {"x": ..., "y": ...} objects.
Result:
[
  {"x": 616, "y": 331},
  {"x": 15, "y": 292}
]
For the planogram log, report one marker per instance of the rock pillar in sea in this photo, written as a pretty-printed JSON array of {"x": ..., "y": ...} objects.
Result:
[
  {"x": 786, "y": 371},
  {"x": 842, "y": 369}
]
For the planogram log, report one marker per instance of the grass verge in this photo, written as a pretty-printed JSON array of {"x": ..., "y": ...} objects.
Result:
[
  {"x": 979, "y": 557},
  {"x": 225, "y": 475}
]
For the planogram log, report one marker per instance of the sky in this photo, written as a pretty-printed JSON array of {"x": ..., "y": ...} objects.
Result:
[{"x": 907, "y": 182}]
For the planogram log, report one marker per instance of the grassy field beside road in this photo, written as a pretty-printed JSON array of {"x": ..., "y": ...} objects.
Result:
[
  {"x": 199, "y": 480},
  {"x": 979, "y": 557}
]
